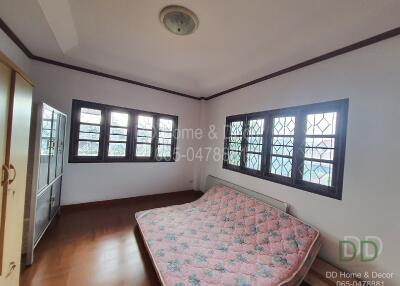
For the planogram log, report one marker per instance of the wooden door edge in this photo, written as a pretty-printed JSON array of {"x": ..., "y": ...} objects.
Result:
[{"x": 8, "y": 62}]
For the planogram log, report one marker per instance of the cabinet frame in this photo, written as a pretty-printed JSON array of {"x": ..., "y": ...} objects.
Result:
[{"x": 35, "y": 192}]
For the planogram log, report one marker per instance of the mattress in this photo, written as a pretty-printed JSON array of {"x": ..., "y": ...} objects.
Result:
[{"x": 227, "y": 238}]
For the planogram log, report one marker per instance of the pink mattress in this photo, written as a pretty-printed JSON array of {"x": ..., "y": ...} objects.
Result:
[{"x": 227, "y": 238}]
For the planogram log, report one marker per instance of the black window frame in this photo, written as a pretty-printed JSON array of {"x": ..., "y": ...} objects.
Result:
[
  {"x": 104, "y": 141},
  {"x": 300, "y": 114}
]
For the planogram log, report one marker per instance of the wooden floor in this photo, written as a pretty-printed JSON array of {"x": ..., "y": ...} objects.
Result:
[{"x": 98, "y": 245}]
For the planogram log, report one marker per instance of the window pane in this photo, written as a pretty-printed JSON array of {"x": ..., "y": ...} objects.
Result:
[
  {"x": 143, "y": 150},
  {"x": 145, "y": 133},
  {"x": 236, "y": 127},
  {"x": 318, "y": 172},
  {"x": 281, "y": 166},
  {"x": 46, "y": 133},
  {"x": 287, "y": 141},
  {"x": 320, "y": 142},
  {"x": 235, "y": 146},
  {"x": 89, "y": 136},
  {"x": 282, "y": 145},
  {"x": 117, "y": 149},
  {"x": 164, "y": 151},
  {"x": 46, "y": 124},
  {"x": 89, "y": 128},
  {"x": 164, "y": 134},
  {"x": 255, "y": 140},
  {"x": 253, "y": 161},
  {"x": 234, "y": 158},
  {"x": 88, "y": 148},
  {"x": 118, "y": 131},
  {"x": 319, "y": 145},
  {"x": 164, "y": 137},
  {"x": 321, "y": 124},
  {"x": 320, "y": 154},
  {"x": 165, "y": 124},
  {"x": 235, "y": 142},
  {"x": 89, "y": 115},
  {"x": 254, "y": 148},
  {"x": 144, "y": 139},
  {"x": 47, "y": 114},
  {"x": 284, "y": 125},
  {"x": 44, "y": 147},
  {"x": 118, "y": 138},
  {"x": 320, "y": 148},
  {"x": 164, "y": 141},
  {"x": 282, "y": 150},
  {"x": 256, "y": 127},
  {"x": 119, "y": 119},
  {"x": 145, "y": 122}
]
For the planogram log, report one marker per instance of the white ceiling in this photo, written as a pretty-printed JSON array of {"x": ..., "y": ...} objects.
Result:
[{"x": 237, "y": 40}]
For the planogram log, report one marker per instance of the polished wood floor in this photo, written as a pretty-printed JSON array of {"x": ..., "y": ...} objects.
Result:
[{"x": 99, "y": 244}]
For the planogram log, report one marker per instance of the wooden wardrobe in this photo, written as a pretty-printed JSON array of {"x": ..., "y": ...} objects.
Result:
[{"x": 15, "y": 117}]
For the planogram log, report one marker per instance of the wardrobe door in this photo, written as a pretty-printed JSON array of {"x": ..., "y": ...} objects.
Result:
[
  {"x": 60, "y": 145},
  {"x": 55, "y": 197},
  {"x": 43, "y": 178},
  {"x": 18, "y": 135},
  {"x": 5, "y": 80}
]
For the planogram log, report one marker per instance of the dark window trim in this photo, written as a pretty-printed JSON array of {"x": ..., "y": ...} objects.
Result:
[
  {"x": 104, "y": 134},
  {"x": 299, "y": 112}
]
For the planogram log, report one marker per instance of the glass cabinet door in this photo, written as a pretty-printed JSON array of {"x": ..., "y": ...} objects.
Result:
[
  {"x": 60, "y": 145},
  {"x": 43, "y": 178},
  {"x": 55, "y": 197},
  {"x": 53, "y": 146},
  {"x": 42, "y": 216}
]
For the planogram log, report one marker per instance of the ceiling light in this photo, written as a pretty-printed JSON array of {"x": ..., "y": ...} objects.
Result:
[{"x": 179, "y": 20}]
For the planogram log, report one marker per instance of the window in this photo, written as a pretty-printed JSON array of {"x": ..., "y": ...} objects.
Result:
[
  {"x": 302, "y": 147},
  {"x": 144, "y": 138},
  {"x": 281, "y": 154},
  {"x": 235, "y": 143},
  {"x": 319, "y": 148},
  {"x": 118, "y": 134},
  {"x": 166, "y": 138},
  {"x": 89, "y": 132},
  {"x": 103, "y": 133},
  {"x": 254, "y": 140}
]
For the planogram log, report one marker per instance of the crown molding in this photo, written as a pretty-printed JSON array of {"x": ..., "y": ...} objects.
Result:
[{"x": 355, "y": 46}]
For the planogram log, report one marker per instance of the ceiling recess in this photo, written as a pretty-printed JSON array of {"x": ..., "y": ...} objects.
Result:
[{"x": 179, "y": 20}]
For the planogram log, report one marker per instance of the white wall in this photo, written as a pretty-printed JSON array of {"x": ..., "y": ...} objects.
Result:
[
  {"x": 370, "y": 78},
  {"x": 103, "y": 181}
]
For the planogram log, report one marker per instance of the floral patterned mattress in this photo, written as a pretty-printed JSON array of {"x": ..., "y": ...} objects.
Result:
[{"x": 227, "y": 238}]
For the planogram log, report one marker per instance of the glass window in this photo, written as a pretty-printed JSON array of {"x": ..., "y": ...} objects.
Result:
[
  {"x": 144, "y": 136},
  {"x": 282, "y": 146},
  {"x": 235, "y": 142},
  {"x": 254, "y": 144},
  {"x": 165, "y": 134},
  {"x": 118, "y": 134},
  {"x": 305, "y": 146},
  {"x": 89, "y": 132},
  {"x": 319, "y": 148}
]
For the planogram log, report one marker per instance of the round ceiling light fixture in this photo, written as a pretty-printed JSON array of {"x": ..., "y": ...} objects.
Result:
[{"x": 179, "y": 20}]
